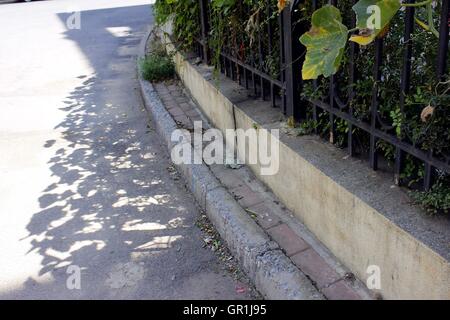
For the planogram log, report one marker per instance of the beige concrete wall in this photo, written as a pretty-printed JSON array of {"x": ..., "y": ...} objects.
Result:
[{"x": 355, "y": 232}]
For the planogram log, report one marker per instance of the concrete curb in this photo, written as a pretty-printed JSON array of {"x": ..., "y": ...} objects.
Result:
[{"x": 273, "y": 274}]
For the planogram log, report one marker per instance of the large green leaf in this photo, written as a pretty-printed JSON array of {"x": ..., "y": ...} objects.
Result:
[
  {"x": 366, "y": 22},
  {"x": 325, "y": 43}
]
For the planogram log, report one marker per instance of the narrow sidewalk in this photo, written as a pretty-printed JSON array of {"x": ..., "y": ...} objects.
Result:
[{"x": 329, "y": 277}]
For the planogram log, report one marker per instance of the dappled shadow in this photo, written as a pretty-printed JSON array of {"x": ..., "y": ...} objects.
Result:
[{"x": 113, "y": 204}]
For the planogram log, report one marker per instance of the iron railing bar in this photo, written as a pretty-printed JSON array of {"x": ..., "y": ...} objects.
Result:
[
  {"x": 351, "y": 90},
  {"x": 443, "y": 38},
  {"x": 405, "y": 83},
  {"x": 373, "y": 157},
  {"x": 253, "y": 70},
  {"x": 261, "y": 58},
  {"x": 405, "y": 146}
]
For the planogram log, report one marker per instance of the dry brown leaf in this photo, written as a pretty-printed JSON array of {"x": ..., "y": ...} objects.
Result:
[
  {"x": 426, "y": 113},
  {"x": 281, "y": 4}
]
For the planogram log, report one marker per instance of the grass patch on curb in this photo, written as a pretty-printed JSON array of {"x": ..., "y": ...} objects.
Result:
[
  {"x": 434, "y": 201},
  {"x": 157, "y": 67}
]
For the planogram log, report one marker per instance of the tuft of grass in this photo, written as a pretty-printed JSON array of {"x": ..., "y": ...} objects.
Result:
[
  {"x": 157, "y": 67},
  {"x": 291, "y": 122},
  {"x": 434, "y": 201}
]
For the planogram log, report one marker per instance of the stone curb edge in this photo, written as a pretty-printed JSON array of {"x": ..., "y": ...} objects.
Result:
[{"x": 272, "y": 272}]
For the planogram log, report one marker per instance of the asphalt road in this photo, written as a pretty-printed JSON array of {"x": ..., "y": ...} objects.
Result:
[{"x": 86, "y": 187}]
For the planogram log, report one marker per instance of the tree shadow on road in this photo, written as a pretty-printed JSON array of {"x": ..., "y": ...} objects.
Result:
[{"x": 114, "y": 204}]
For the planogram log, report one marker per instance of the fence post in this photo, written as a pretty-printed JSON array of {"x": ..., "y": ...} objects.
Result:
[
  {"x": 443, "y": 38},
  {"x": 204, "y": 29},
  {"x": 292, "y": 64}
]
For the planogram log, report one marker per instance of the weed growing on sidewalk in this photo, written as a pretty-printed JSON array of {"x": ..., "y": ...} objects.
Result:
[{"x": 157, "y": 68}]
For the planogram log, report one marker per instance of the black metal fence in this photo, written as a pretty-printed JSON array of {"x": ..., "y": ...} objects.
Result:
[{"x": 284, "y": 88}]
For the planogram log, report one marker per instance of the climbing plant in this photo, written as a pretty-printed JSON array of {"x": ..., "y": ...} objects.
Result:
[
  {"x": 234, "y": 29},
  {"x": 326, "y": 40},
  {"x": 184, "y": 14},
  {"x": 425, "y": 113}
]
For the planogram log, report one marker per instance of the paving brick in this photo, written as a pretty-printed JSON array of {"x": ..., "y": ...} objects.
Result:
[
  {"x": 192, "y": 113},
  {"x": 176, "y": 93},
  {"x": 173, "y": 87},
  {"x": 266, "y": 217},
  {"x": 176, "y": 111},
  {"x": 246, "y": 196},
  {"x": 171, "y": 104},
  {"x": 161, "y": 88},
  {"x": 287, "y": 239},
  {"x": 185, "y": 106},
  {"x": 341, "y": 291},
  {"x": 315, "y": 267},
  {"x": 184, "y": 122},
  {"x": 168, "y": 100},
  {"x": 194, "y": 116},
  {"x": 181, "y": 99},
  {"x": 226, "y": 176},
  {"x": 165, "y": 96}
]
